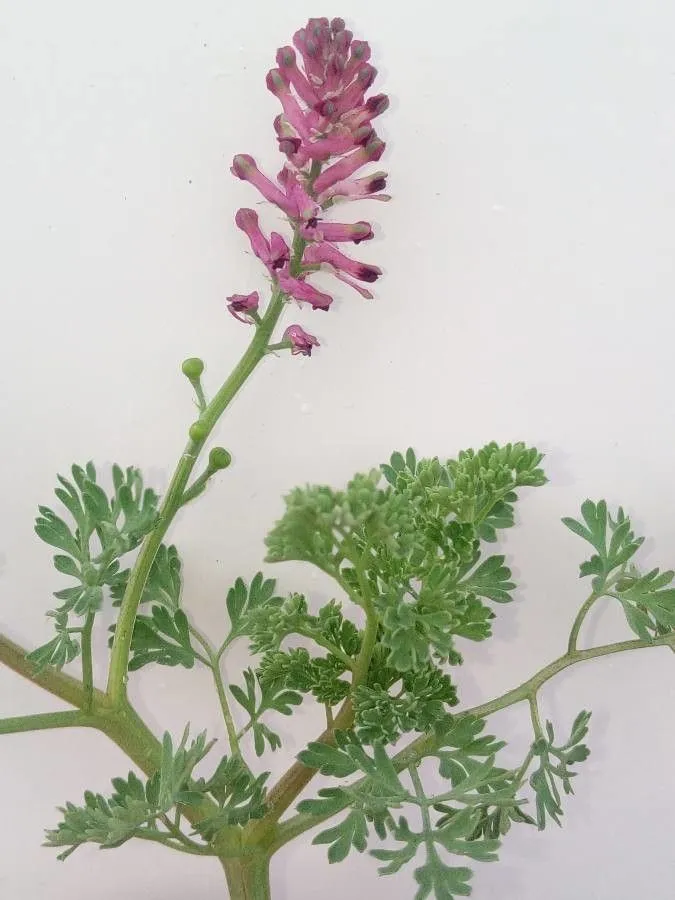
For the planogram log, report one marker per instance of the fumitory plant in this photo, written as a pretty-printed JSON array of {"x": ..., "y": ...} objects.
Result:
[{"x": 408, "y": 545}]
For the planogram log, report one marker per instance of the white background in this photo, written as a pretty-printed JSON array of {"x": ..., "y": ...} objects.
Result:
[{"x": 528, "y": 295}]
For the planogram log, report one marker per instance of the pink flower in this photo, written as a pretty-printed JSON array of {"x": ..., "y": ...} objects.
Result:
[
  {"x": 274, "y": 253},
  {"x": 242, "y": 305},
  {"x": 301, "y": 341},
  {"x": 343, "y": 267},
  {"x": 244, "y": 167},
  {"x": 349, "y": 164},
  {"x": 335, "y": 232},
  {"x": 302, "y": 291},
  {"x": 357, "y": 189}
]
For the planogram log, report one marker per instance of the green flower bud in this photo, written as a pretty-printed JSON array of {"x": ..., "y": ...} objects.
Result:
[
  {"x": 198, "y": 431},
  {"x": 193, "y": 367},
  {"x": 219, "y": 458}
]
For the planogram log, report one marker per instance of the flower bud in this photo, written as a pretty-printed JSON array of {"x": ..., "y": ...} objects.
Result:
[
  {"x": 193, "y": 368},
  {"x": 219, "y": 458}
]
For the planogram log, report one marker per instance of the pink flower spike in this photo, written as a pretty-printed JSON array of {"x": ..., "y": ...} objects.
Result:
[
  {"x": 242, "y": 305},
  {"x": 247, "y": 220},
  {"x": 302, "y": 291},
  {"x": 326, "y": 253},
  {"x": 347, "y": 166},
  {"x": 286, "y": 60},
  {"x": 244, "y": 167},
  {"x": 301, "y": 342}
]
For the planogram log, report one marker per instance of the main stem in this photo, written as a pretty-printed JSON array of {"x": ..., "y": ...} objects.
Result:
[
  {"x": 173, "y": 500},
  {"x": 248, "y": 877}
]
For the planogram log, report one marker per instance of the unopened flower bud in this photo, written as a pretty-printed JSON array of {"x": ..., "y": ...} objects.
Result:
[
  {"x": 193, "y": 368},
  {"x": 219, "y": 458}
]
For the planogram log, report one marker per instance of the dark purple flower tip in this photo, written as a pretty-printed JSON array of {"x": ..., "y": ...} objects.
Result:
[
  {"x": 301, "y": 342},
  {"x": 337, "y": 24},
  {"x": 289, "y": 145},
  {"x": 377, "y": 104},
  {"x": 368, "y": 273},
  {"x": 242, "y": 305},
  {"x": 378, "y": 183}
]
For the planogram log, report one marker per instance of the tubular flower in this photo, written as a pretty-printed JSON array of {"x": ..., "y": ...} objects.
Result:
[
  {"x": 242, "y": 305},
  {"x": 325, "y": 132},
  {"x": 301, "y": 341}
]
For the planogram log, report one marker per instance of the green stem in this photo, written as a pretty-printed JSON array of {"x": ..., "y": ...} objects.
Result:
[
  {"x": 426, "y": 744},
  {"x": 160, "y": 837},
  {"x": 212, "y": 660},
  {"x": 534, "y": 715},
  {"x": 70, "y": 718},
  {"x": 248, "y": 877},
  {"x": 119, "y": 658},
  {"x": 579, "y": 621},
  {"x": 225, "y": 707},
  {"x": 87, "y": 662}
]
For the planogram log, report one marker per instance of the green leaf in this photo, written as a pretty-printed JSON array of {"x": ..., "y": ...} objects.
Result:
[
  {"x": 597, "y": 526},
  {"x": 257, "y": 699},
  {"x": 134, "y": 805},
  {"x": 352, "y": 832},
  {"x": 296, "y": 670},
  {"x": 244, "y": 601},
  {"x": 491, "y": 579},
  {"x": 553, "y": 770},
  {"x": 163, "y": 638}
]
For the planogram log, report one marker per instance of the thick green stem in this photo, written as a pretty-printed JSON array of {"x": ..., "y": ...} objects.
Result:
[
  {"x": 88, "y": 662},
  {"x": 248, "y": 877},
  {"x": 174, "y": 498},
  {"x": 70, "y": 718}
]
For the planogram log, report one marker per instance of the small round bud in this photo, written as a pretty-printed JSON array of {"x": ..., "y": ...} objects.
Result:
[
  {"x": 193, "y": 367},
  {"x": 219, "y": 458},
  {"x": 198, "y": 432}
]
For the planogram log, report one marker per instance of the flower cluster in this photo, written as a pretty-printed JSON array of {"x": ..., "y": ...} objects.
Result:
[{"x": 326, "y": 134}]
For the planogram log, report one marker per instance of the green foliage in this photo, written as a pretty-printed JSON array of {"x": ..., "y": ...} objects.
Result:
[
  {"x": 239, "y": 794},
  {"x": 246, "y": 602},
  {"x": 648, "y": 599},
  {"x": 163, "y": 637},
  {"x": 102, "y": 530},
  {"x": 435, "y": 877},
  {"x": 554, "y": 768},
  {"x": 419, "y": 704},
  {"x": 476, "y": 785},
  {"x": 296, "y": 670},
  {"x": 270, "y": 626},
  {"x": 257, "y": 699},
  {"x": 135, "y": 807},
  {"x": 406, "y": 539}
]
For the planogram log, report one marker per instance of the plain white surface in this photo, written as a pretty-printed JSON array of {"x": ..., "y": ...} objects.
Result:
[{"x": 528, "y": 295}]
